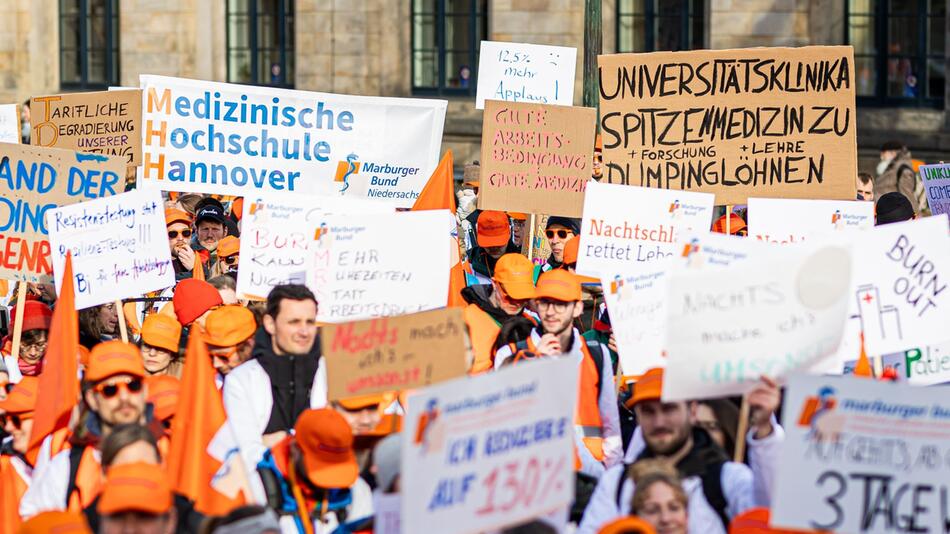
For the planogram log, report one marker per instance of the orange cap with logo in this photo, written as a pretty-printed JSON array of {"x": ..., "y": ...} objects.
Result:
[
  {"x": 162, "y": 331},
  {"x": 326, "y": 440},
  {"x": 111, "y": 358},
  {"x": 515, "y": 273},
  {"x": 229, "y": 325},
  {"x": 649, "y": 387},
  {"x": 57, "y": 522},
  {"x": 22, "y": 398},
  {"x": 175, "y": 215},
  {"x": 559, "y": 284},
  {"x": 228, "y": 246},
  {"x": 163, "y": 395},
  {"x": 136, "y": 487},
  {"x": 492, "y": 229}
]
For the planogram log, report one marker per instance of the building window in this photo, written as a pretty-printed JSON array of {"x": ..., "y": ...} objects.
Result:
[
  {"x": 260, "y": 36},
  {"x": 655, "y": 25},
  {"x": 898, "y": 51},
  {"x": 88, "y": 43},
  {"x": 446, "y": 35}
]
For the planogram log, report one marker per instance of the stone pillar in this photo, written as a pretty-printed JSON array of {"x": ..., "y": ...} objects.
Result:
[{"x": 748, "y": 23}]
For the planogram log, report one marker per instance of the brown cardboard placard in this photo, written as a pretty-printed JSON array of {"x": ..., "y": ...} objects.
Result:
[
  {"x": 536, "y": 158},
  {"x": 34, "y": 180},
  {"x": 757, "y": 122},
  {"x": 393, "y": 353},
  {"x": 100, "y": 122}
]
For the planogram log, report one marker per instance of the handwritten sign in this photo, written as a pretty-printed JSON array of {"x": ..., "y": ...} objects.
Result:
[
  {"x": 9, "y": 123},
  {"x": 34, "y": 180},
  {"x": 792, "y": 221},
  {"x": 863, "y": 456},
  {"x": 899, "y": 296},
  {"x": 521, "y": 72},
  {"x": 628, "y": 228},
  {"x": 925, "y": 366},
  {"x": 768, "y": 316},
  {"x": 485, "y": 452},
  {"x": 637, "y": 306},
  {"x": 936, "y": 180},
  {"x": 380, "y": 265},
  {"x": 118, "y": 244},
  {"x": 102, "y": 122},
  {"x": 536, "y": 158},
  {"x": 277, "y": 231},
  {"x": 757, "y": 122},
  {"x": 394, "y": 353},
  {"x": 210, "y": 137}
]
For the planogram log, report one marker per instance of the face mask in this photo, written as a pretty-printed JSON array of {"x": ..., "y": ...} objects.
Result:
[{"x": 882, "y": 166}]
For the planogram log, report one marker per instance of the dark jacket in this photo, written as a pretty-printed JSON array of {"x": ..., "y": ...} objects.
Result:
[{"x": 291, "y": 379}]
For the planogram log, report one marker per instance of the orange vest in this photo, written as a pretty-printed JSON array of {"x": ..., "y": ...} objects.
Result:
[
  {"x": 483, "y": 330},
  {"x": 12, "y": 488},
  {"x": 89, "y": 481}
]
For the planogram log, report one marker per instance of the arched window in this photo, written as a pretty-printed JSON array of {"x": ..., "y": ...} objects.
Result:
[
  {"x": 88, "y": 43},
  {"x": 260, "y": 37}
]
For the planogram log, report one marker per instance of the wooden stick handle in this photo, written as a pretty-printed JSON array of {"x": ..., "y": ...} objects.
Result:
[
  {"x": 123, "y": 329},
  {"x": 743, "y": 429},
  {"x": 18, "y": 320}
]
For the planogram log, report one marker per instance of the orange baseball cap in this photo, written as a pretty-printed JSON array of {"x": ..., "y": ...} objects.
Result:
[
  {"x": 571, "y": 248},
  {"x": 229, "y": 325},
  {"x": 228, "y": 246},
  {"x": 136, "y": 487},
  {"x": 492, "y": 229},
  {"x": 627, "y": 525},
  {"x": 163, "y": 394},
  {"x": 649, "y": 387},
  {"x": 173, "y": 215},
  {"x": 22, "y": 398},
  {"x": 559, "y": 284},
  {"x": 57, "y": 522},
  {"x": 326, "y": 440},
  {"x": 518, "y": 216},
  {"x": 115, "y": 357},
  {"x": 362, "y": 402},
  {"x": 83, "y": 356},
  {"x": 162, "y": 331},
  {"x": 515, "y": 273}
]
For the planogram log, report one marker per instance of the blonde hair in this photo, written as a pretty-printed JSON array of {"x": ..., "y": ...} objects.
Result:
[{"x": 646, "y": 473}]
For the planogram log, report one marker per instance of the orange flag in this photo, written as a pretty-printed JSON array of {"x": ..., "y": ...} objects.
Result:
[
  {"x": 198, "y": 271},
  {"x": 439, "y": 194},
  {"x": 214, "y": 481},
  {"x": 59, "y": 382},
  {"x": 863, "y": 367}
]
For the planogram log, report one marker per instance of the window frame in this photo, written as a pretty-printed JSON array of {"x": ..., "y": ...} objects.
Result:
[
  {"x": 650, "y": 16},
  {"x": 478, "y": 14},
  {"x": 286, "y": 48},
  {"x": 111, "y": 54}
]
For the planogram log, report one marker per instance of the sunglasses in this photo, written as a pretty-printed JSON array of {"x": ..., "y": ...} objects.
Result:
[
  {"x": 225, "y": 357},
  {"x": 172, "y": 234},
  {"x": 17, "y": 420},
  {"x": 560, "y": 233},
  {"x": 111, "y": 390},
  {"x": 231, "y": 260}
]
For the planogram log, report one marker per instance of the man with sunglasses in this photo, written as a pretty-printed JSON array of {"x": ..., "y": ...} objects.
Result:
[
  {"x": 229, "y": 253},
  {"x": 559, "y": 230},
  {"x": 16, "y": 473},
  {"x": 178, "y": 224},
  {"x": 229, "y": 333},
  {"x": 113, "y": 393}
]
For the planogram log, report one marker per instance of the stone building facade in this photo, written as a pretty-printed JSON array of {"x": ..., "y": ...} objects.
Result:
[{"x": 372, "y": 47}]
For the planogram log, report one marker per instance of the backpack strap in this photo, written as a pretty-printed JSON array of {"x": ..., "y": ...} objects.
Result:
[
  {"x": 593, "y": 347},
  {"x": 712, "y": 490},
  {"x": 75, "y": 458},
  {"x": 623, "y": 480}
]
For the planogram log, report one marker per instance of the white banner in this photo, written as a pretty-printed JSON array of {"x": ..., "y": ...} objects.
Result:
[
  {"x": 380, "y": 265},
  {"x": 118, "y": 243},
  {"x": 9, "y": 123},
  {"x": 277, "y": 231},
  {"x": 637, "y": 307},
  {"x": 521, "y": 72},
  {"x": 792, "y": 221},
  {"x": 489, "y": 451},
  {"x": 626, "y": 229},
  {"x": 771, "y": 316},
  {"x": 863, "y": 456},
  {"x": 210, "y": 137}
]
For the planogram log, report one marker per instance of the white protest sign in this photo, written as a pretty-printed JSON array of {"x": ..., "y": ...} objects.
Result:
[
  {"x": 784, "y": 221},
  {"x": 628, "y": 228},
  {"x": 899, "y": 293},
  {"x": 9, "y": 123},
  {"x": 277, "y": 231},
  {"x": 769, "y": 316},
  {"x": 925, "y": 366},
  {"x": 863, "y": 456},
  {"x": 521, "y": 72},
  {"x": 489, "y": 451},
  {"x": 118, "y": 244},
  {"x": 210, "y": 137},
  {"x": 387, "y": 509},
  {"x": 712, "y": 250},
  {"x": 637, "y": 307},
  {"x": 380, "y": 265}
]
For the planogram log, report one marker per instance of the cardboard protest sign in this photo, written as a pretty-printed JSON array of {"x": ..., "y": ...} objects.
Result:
[
  {"x": 628, "y": 228},
  {"x": 118, "y": 243},
  {"x": 380, "y": 265},
  {"x": 210, "y": 137},
  {"x": 101, "y": 122},
  {"x": 9, "y": 123},
  {"x": 768, "y": 316},
  {"x": 936, "y": 180},
  {"x": 393, "y": 353},
  {"x": 536, "y": 158},
  {"x": 34, "y": 180},
  {"x": 756, "y": 122},
  {"x": 521, "y": 72},
  {"x": 791, "y": 221},
  {"x": 900, "y": 278},
  {"x": 276, "y": 233},
  {"x": 863, "y": 456},
  {"x": 489, "y": 451}
]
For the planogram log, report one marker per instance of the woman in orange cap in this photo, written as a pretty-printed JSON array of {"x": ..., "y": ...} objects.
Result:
[{"x": 161, "y": 336}]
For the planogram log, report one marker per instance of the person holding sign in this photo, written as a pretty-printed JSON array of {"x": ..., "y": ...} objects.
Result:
[{"x": 36, "y": 320}]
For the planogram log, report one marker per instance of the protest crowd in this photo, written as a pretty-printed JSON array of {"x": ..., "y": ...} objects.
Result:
[{"x": 647, "y": 352}]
